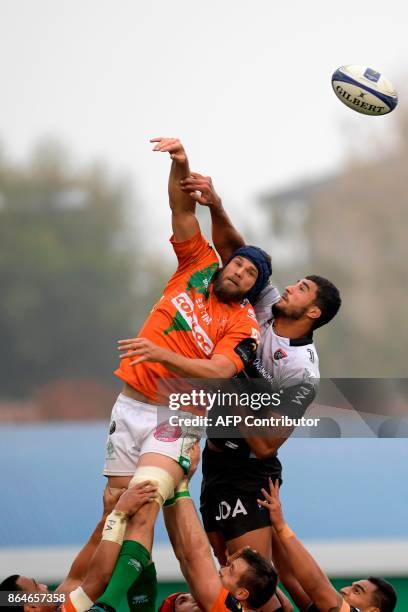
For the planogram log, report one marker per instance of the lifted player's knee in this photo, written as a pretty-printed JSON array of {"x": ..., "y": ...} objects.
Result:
[{"x": 158, "y": 477}]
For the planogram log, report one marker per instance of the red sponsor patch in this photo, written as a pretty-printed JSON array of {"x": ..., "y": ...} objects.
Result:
[
  {"x": 167, "y": 433},
  {"x": 279, "y": 354}
]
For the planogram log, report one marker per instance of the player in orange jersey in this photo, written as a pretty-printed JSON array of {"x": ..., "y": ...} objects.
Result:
[{"x": 202, "y": 327}]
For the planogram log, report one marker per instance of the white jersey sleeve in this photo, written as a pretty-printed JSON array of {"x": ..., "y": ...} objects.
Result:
[{"x": 263, "y": 306}]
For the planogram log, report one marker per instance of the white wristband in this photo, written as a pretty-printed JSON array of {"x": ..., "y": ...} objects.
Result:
[{"x": 115, "y": 527}]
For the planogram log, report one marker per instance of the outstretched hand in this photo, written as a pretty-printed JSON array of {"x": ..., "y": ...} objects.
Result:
[
  {"x": 238, "y": 553},
  {"x": 134, "y": 498},
  {"x": 273, "y": 504},
  {"x": 201, "y": 189},
  {"x": 195, "y": 456},
  {"x": 172, "y": 146},
  {"x": 141, "y": 348}
]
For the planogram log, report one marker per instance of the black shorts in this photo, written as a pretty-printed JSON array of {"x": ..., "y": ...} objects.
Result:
[{"x": 230, "y": 489}]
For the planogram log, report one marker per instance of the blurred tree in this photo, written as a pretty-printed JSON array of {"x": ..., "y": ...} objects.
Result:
[{"x": 73, "y": 275}]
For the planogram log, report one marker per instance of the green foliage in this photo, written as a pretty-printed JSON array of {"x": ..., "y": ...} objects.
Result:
[{"x": 66, "y": 273}]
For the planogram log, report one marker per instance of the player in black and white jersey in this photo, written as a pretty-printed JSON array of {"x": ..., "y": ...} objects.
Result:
[{"x": 234, "y": 469}]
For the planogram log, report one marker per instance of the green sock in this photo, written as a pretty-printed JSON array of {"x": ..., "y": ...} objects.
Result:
[
  {"x": 133, "y": 559},
  {"x": 143, "y": 593}
]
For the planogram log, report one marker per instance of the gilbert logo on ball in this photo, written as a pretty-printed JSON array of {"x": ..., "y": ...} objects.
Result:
[{"x": 364, "y": 90}]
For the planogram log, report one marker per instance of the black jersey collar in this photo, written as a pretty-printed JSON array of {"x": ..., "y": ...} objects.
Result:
[{"x": 301, "y": 341}]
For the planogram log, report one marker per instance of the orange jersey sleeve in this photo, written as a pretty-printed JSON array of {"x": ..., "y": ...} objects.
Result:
[
  {"x": 241, "y": 338},
  {"x": 191, "y": 254},
  {"x": 226, "y": 602}
]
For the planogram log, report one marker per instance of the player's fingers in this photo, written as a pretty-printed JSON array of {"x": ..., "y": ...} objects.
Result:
[
  {"x": 130, "y": 342},
  {"x": 161, "y": 139},
  {"x": 197, "y": 185},
  {"x": 168, "y": 145},
  {"x": 272, "y": 486},
  {"x": 266, "y": 495},
  {"x": 146, "y": 488},
  {"x": 137, "y": 361},
  {"x": 126, "y": 344},
  {"x": 195, "y": 180},
  {"x": 140, "y": 485},
  {"x": 145, "y": 497},
  {"x": 133, "y": 353},
  {"x": 263, "y": 503},
  {"x": 197, "y": 175},
  {"x": 198, "y": 198}
]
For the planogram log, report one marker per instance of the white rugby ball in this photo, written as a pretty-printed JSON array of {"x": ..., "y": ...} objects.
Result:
[{"x": 364, "y": 90}]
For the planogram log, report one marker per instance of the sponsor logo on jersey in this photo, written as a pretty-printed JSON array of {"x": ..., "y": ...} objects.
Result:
[
  {"x": 140, "y": 599},
  {"x": 185, "y": 308},
  {"x": 246, "y": 349},
  {"x": 200, "y": 281},
  {"x": 226, "y": 510},
  {"x": 302, "y": 394},
  {"x": 232, "y": 445},
  {"x": 167, "y": 433},
  {"x": 112, "y": 427},
  {"x": 232, "y": 604},
  {"x": 279, "y": 354},
  {"x": 110, "y": 451},
  {"x": 136, "y": 564},
  {"x": 311, "y": 355},
  {"x": 251, "y": 314}
]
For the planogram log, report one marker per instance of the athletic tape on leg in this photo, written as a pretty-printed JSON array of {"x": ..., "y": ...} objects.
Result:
[{"x": 158, "y": 477}]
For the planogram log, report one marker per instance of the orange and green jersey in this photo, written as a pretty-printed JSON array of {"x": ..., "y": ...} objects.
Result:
[{"x": 190, "y": 320}]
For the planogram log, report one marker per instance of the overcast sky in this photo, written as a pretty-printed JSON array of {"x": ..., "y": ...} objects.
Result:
[{"x": 245, "y": 85}]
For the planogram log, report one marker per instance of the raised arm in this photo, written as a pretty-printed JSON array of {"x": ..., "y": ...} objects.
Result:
[
  {"x": 94, "y": 564},
  {"x": 103, "y": 562},
  {"x": 305, "y": 569},
  {"x": 190, "y": 543},
  {"x": 80, "y": 564},
  {"x": 143, "y": 349},
  {"x": 225, "y": 236},
  {"x": 183, "y": 217}
]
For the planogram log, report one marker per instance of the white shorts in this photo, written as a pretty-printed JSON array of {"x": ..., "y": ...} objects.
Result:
[{"x": 137, "y": 428}]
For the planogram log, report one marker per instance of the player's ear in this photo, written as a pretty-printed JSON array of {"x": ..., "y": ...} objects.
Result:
[
  {"x": 314, "y": 312},
  {"x": 241, "y": 594}
]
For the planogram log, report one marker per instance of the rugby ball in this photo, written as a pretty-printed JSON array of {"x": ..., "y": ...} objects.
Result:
[{"x": 364, "y": 90}]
